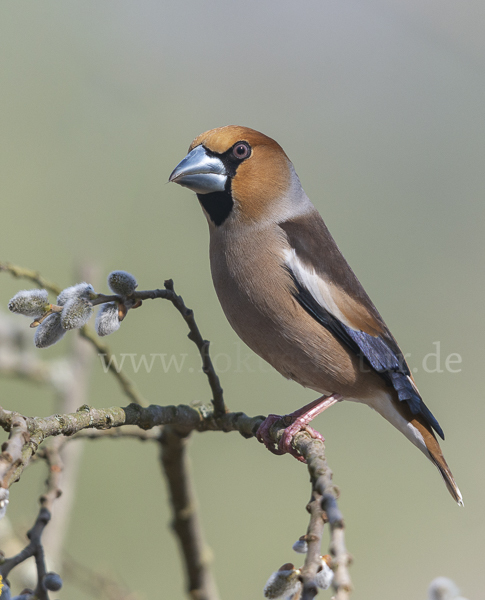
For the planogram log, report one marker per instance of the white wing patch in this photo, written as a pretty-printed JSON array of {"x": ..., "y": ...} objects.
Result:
[{"x": 320, "y": 290}]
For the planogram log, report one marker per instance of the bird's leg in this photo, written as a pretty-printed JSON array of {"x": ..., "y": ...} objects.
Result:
[{"x": 297, "y": 421}]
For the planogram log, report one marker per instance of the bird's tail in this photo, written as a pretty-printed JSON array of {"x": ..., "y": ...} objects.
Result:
[
  {"x": 419, "y": 432},
  {"x": 447, "y": 475},
  {"x": 436, "y": 456}
]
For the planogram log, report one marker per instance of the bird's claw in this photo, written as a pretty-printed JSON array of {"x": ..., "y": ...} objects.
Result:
[
  {"x": 263, "y": 434},
  {"x": 285, "y": 445}
]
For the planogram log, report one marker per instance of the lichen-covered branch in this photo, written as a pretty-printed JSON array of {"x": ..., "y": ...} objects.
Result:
[
  {"x": 15, "y": 449},
  {"x": 323, "y": 508},
  {"x": 27, "y": 433},
  {"x": 37, "y": 429}
]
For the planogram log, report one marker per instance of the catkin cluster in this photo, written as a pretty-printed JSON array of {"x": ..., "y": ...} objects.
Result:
[{"x": 75, "y": 306}]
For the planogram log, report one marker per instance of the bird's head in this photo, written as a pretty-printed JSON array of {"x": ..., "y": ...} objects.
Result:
[{"x": 238, "y": 173}]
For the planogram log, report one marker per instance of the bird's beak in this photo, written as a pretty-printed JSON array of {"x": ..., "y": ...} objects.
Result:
[{"x": 200, "y": 172}]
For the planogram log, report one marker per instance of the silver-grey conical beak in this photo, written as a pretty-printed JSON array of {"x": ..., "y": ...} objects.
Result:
[{"x": 200, "y": 172}]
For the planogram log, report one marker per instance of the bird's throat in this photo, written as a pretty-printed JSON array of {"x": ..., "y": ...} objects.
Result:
[{"x": 218, "y": 205}]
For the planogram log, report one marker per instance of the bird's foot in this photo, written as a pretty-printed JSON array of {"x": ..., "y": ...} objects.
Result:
[
  {"x": 285, "y": 446},
  {"x": 263, "y": 434},
  {"x": 299, "y": 424},
  {"x": 294, "y": 422}
]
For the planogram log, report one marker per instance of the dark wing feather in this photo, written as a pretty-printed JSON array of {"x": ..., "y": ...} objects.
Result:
[{"x": 381, "y": 352}]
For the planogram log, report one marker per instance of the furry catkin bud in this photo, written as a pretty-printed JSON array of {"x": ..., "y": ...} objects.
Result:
[
  {"x": 49, "y": 331},
  {"x": 324, "y": 577},
  {"x": 80, "y": 290},
  {"x": 122, "y": 283},
  {"x": 6, "y": 594},
  {"x": 283, "y": 584},
  {"x": 300, "y": 546},
  {"x": 107, "y": 319},
  {"x": 52, "y": 582},
  {"x": 76, "y": 312},
  {"x": 4, "y": 493},
  {"x": 31, "y": 303},
  {"x": 443, "y": 588}
]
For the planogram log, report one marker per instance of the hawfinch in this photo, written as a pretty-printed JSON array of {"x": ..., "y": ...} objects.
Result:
[{"x": 291, "y": 296}]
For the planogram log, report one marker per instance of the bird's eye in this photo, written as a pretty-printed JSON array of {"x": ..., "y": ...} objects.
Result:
[{"x": 241, "y": 150}]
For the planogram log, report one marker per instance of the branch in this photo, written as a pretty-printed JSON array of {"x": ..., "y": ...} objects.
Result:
[
  {"x": 186, "y": 418},
  {"x": 73, "y": 392},
  {"x": 14, "y": 450},
  {"x": 27, "y": 433},
  {"x": 186, "y": 523},
  {"x": 35, "y": 547},
  {"x": 34, "y": 276},
  {"x": 323, "y": 507},
  {"x": 31, "y": 275},
  {"x": 195, "y": 336}
]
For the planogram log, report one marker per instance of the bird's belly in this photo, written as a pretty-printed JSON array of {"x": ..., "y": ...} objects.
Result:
[{"x": 280, "y": 331}]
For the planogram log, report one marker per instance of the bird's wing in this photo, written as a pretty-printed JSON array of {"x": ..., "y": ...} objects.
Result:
[{"x": 327, "y": 288}]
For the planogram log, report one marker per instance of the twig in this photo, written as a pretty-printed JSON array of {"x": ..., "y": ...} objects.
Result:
[
  {"x": 31, "y": 275},
  {"x": 169, "y": 294},
  {"x": 186, "y": 523},
  {"x": 186, "y": 418},
  {"x": 314, "y": 541},
  {"x": 195, "y": 336},
  {"x": 46, "y": 500},
  {"x": 128, "y": 431},
  {"x": 13, "y": 449},
  {"x": 72, "y": 394},
  {"x": 126, "y": 385},
  {"x": 55, "y": 465},
  {"x": 34, "y": 547},
  {"x": 323, "y": 507}
]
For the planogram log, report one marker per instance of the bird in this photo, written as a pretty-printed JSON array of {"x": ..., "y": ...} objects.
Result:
[{"x": 291, "y": 296}]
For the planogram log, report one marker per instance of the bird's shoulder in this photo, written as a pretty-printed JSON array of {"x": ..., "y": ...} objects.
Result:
[{"x": 315, "y": 258}]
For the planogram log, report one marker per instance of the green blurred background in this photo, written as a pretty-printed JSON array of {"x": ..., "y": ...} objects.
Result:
[{"x": 380, "y": 105}]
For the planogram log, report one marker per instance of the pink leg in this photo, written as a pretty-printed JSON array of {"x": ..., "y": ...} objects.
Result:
[{"x": 296, "y": 421}]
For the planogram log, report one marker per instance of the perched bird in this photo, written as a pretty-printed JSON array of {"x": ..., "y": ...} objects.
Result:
[{"x": 291, "y": 296}]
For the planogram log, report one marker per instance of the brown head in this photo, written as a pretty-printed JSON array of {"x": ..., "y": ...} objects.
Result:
[{"x": 239, "y": 173}]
